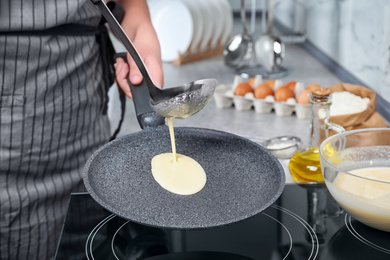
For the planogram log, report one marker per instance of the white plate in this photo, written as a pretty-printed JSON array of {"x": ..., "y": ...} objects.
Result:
[
  {"x": 218, "y": 12},
  {"x": 195, "y": 10},
  {"x": 227, "y": 21},
  {"x": 174, "y": 26},
  {"x": 208, "y": 23}
]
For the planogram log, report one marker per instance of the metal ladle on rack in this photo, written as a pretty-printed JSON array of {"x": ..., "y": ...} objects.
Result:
[
  {"x": 239, "y": 50},
  {"x": 269, "y": 48},
  {"x": 178, "y": 102}
]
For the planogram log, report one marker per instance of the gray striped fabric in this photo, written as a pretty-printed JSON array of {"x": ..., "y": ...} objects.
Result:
[{"x": 51, "y": 120}]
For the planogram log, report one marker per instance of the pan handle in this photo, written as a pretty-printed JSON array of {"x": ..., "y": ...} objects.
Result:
[{"x": 146, "y": 116}]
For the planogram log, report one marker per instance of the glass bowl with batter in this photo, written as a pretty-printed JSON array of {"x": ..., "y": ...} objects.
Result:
[{"x": 356, "y": 168}]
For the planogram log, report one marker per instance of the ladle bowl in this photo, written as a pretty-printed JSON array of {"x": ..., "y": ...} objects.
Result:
[
  {"x": 270, "y": 50},
  {"x": 186, "y": 100},
  {"x": 239, "y": 50},
  {"x": 177, "y": 102}
]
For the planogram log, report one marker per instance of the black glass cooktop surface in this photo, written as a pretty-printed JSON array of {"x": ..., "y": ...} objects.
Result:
[{"x": 304, "y": 223}]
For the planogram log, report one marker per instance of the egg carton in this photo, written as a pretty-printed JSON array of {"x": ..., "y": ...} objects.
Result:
[{"x": 224, "y": 98}]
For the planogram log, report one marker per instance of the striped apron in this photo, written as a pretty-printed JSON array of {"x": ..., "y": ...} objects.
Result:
[{"x": 52, "y": 118}]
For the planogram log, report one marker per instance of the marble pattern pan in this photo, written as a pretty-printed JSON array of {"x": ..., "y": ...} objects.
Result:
[{"x": 243, "y": 178}]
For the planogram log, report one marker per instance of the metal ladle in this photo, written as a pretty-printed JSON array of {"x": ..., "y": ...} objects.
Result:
[
  {"x": 269, "y": 48},
  {"x": 179, "y": 102},
  {"x": 238, "y": 51}
]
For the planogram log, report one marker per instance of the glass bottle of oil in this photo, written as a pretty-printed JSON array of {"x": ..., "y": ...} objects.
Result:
[{"x": 305, "y": 165}]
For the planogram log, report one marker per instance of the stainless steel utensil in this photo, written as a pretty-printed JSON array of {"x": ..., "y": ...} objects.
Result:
[
  {"x": 239, "y": 50},
  {"x": 178, "y": 102},
  {"x": 269, "y": 48}
]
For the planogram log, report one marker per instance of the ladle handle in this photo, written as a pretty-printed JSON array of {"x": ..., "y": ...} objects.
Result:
[
  {"x": 264, "y": 17},
  {"x": 270, "y": 16},
  {"x": 115, "y": 26},
  {"x": 146, "y": 116},
  {"x": 243, "y": 17}
]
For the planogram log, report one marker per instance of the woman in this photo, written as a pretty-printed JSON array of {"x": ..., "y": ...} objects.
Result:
[{"x": 53, "y": 110}]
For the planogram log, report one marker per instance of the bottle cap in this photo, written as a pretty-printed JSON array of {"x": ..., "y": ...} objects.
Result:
[{"x": 321, "y": 92}]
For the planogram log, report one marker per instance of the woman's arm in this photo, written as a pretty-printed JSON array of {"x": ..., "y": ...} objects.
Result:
[{"x": 137, "y": 24}]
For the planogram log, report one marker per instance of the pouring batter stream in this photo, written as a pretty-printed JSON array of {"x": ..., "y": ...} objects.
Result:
[{"x": 178, "y": 173}]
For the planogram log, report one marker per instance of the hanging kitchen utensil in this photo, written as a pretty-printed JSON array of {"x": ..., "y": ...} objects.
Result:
[
  {"x": 248, "y": 67},
  {"x": 269, "y": 49},
  {"x": 178, "y": 102},
  {"x": 239, "y": 50}
]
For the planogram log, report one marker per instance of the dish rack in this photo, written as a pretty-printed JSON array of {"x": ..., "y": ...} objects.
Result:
[{"x": 189, "y": 57}]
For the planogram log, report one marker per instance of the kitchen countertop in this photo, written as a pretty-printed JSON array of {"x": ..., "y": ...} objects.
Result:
[{"x": 302, "y": 66}]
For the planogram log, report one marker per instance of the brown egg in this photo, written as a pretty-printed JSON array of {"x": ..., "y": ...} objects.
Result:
[
  {"x": 251, "y": 81},
  {"x": 283, "y": 93},
  {"x": 262, "y": 91},
  {"x": 291, "y": 85},
  {"x": 242, "y": 89},
  {"x": 313, "y": 86},
  {"x": 303, "y": 97},
  {"x": 271, "y": 83}
]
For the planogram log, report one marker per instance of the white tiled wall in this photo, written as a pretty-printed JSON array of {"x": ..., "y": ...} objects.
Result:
[{"x": 355, "y": 33}]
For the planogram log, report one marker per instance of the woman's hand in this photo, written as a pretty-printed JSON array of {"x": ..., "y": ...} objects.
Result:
[{"x": 138, "y": 27}]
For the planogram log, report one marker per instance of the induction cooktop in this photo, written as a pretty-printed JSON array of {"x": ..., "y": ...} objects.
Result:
[{"x": 304, "y": 223}]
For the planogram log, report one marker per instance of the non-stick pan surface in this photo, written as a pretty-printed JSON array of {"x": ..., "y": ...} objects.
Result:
[{"x": 243, "y": 178}]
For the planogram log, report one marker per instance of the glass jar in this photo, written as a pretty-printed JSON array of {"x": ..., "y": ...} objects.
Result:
[{"x": 305, "y": 164}]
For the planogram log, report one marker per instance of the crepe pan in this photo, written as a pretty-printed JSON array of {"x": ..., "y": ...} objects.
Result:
[{"x": 243, "y": 178}]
